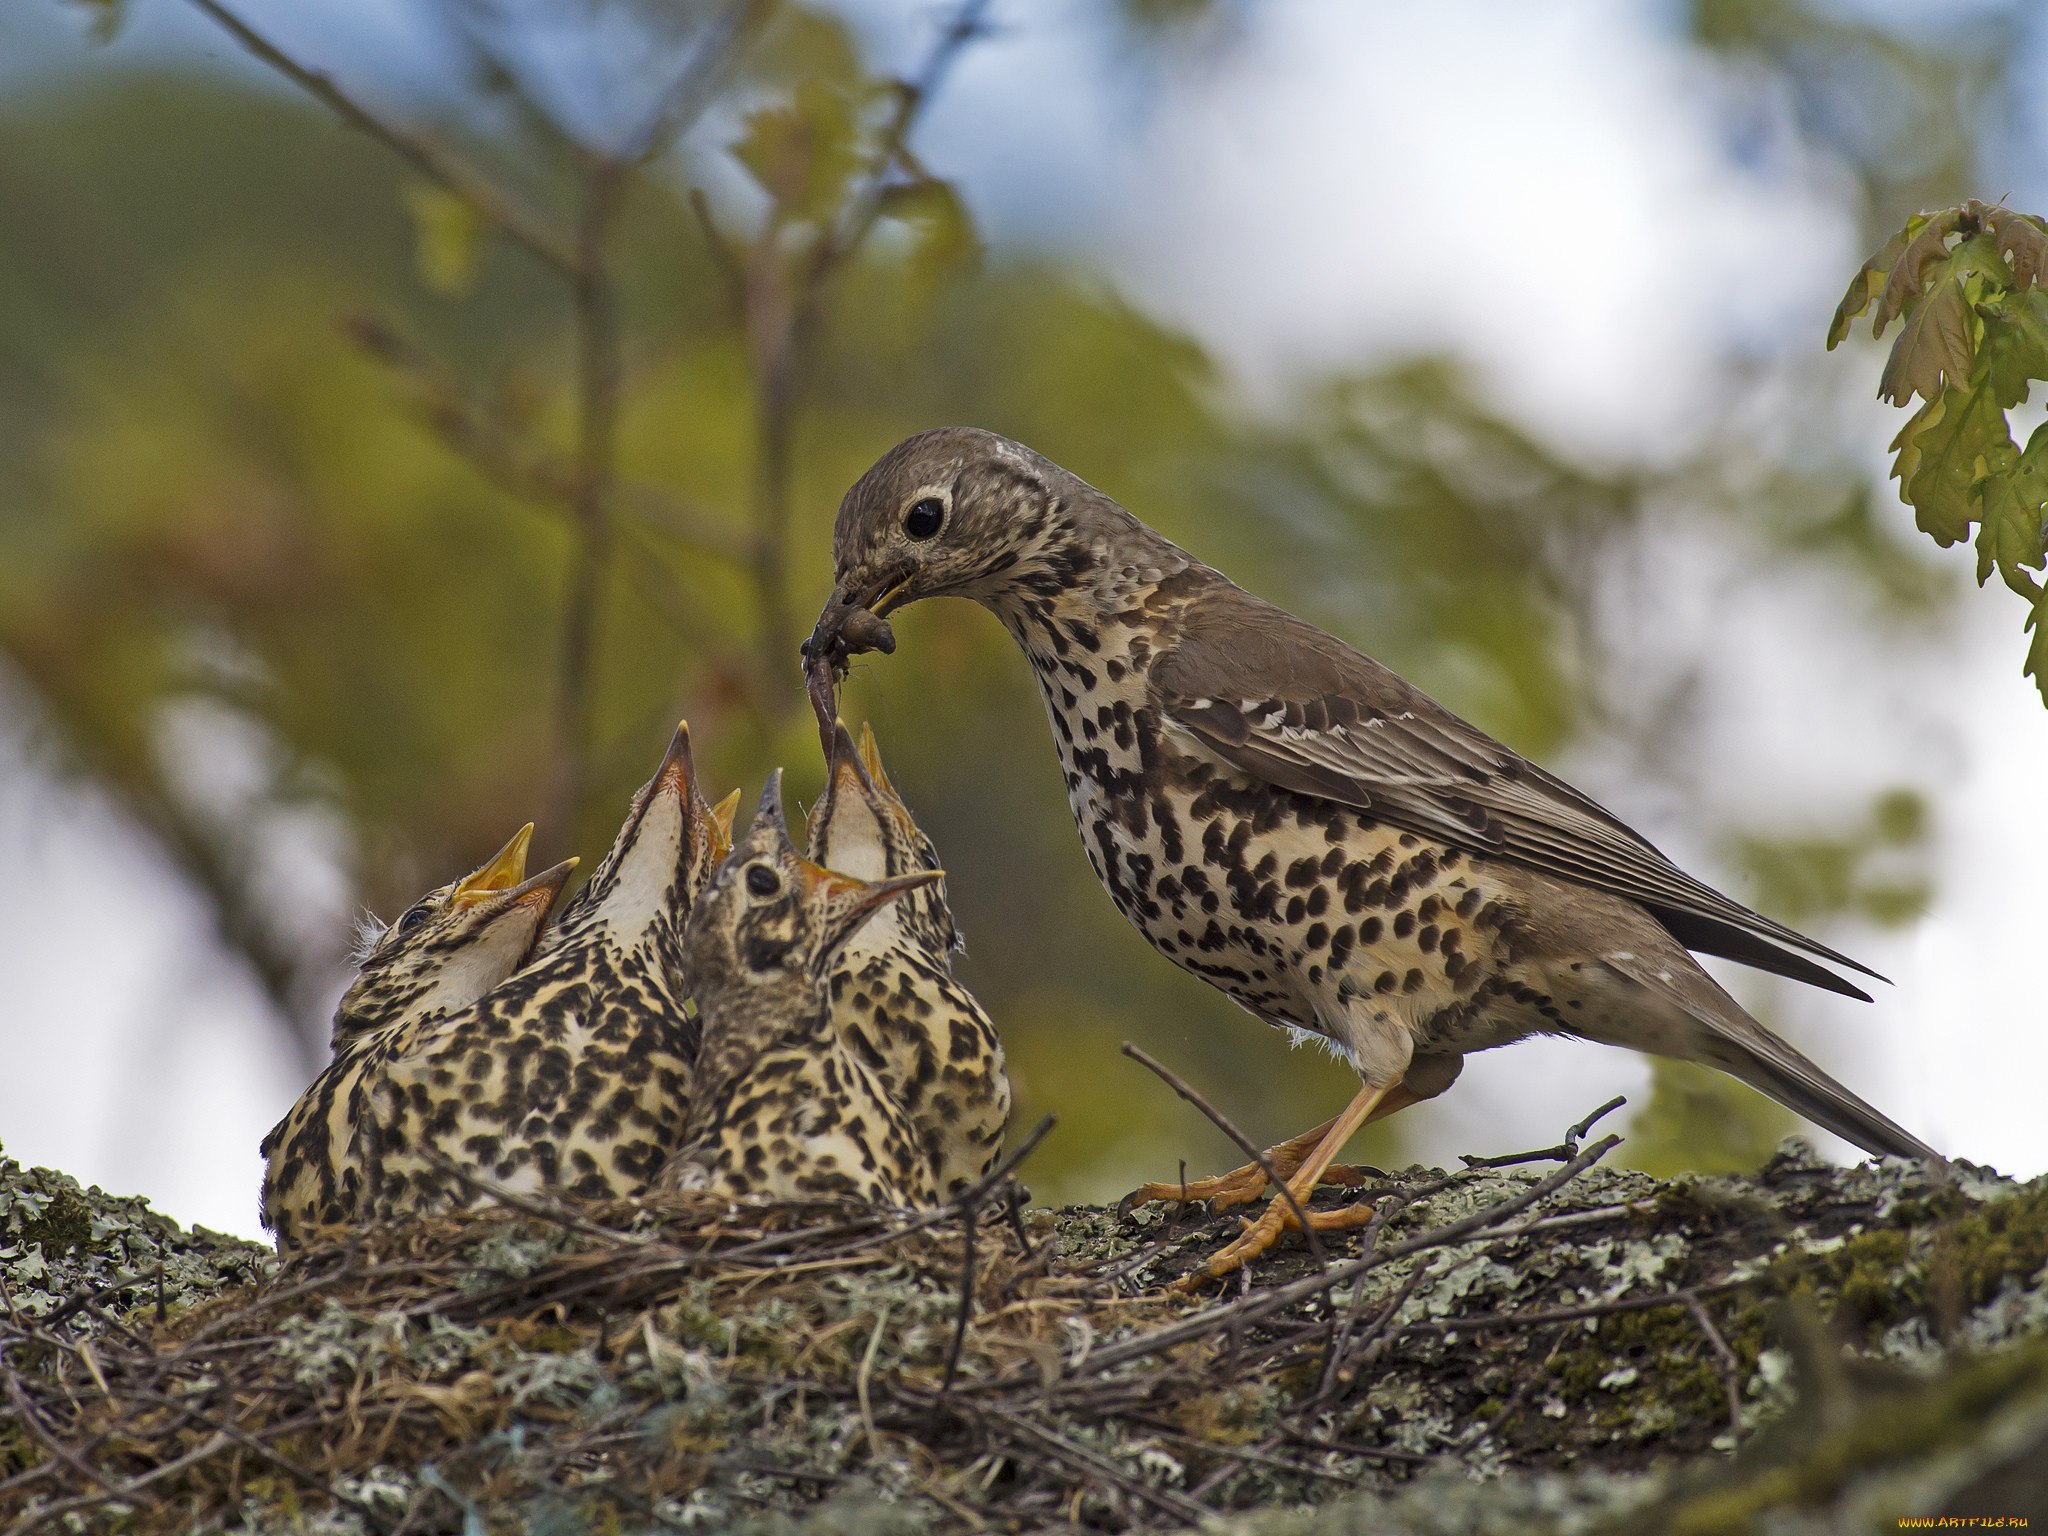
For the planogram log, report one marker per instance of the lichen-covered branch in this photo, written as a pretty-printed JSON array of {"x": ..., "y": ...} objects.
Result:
[{"x": 1590, "y": 1344}]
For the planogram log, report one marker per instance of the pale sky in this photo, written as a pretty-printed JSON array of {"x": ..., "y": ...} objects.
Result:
[{"x": 1287, "y": 203}]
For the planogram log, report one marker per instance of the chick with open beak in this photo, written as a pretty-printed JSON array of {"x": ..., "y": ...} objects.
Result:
[
  {"x": 444, "y": 952},
  {"x": 895, "y": 1000},
  {"x": 783, "y": 1109},
  {"x": 573, "y": 1075}
]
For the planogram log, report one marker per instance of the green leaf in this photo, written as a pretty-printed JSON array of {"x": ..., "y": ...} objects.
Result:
[
  {"x": 2014, "y": 348},
  {"x": 1933, "y": 351},
  {"x": 1947, "y": 447},
  {"x": 803, "y": 152},
  {"x": 1869, "y": 281},
  {"x": 2022, "y": 243},
  {"x": 2037, "y": 651},
  {"x": 2013, "y": 502},
  {"x": 1909, "y": 275},
  {"x": 945, "y": 239},
  {"x": 448, "y": 236}
]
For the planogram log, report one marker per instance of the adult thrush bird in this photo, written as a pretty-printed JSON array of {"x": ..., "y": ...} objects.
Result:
[
  {"x": 895, "y": 1000},
  {"x": 443, "y": 953},
  {"x": 1291, "y": 821},
  {"x": 784, "y": 1108}
]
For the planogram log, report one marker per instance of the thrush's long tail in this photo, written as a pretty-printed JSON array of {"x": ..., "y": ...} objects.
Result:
[{"x": 1730, "y": 1039}]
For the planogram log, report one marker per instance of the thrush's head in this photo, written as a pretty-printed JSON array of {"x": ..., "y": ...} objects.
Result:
[
  {"x": 771, "y": 921},
  {"x": 861, "y": 827},
  {"x": 670, "y": 842},
  {"x": 451, "y": 946},
  {"x": 959, "y": 512}
]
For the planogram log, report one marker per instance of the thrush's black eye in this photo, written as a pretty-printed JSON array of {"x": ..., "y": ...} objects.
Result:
[
  {"x": 414, "y": 920},
  {"x": 762, "y": 880},
  {"x": 924, "y": 517}
]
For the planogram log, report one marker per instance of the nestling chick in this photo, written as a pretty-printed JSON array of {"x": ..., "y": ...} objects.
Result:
[
  {"x": 573, "y": 1076},
  {"x": 895, "y": 1001},
  {"x": 783, "y": 1109},
  {"x": 443, "y": 953}
]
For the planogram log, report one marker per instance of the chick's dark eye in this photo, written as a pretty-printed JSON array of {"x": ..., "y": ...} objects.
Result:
[
  {"x": 924, "y": 517},
  {"x": 762, "y": 880},
  {"x": 414, "y": 920}
]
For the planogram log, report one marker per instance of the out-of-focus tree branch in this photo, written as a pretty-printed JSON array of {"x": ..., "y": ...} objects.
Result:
[
  {"x": 782, "y": 303},
  {"x": 585, "y": 262},
  {"x": 506, "y": 456},
  {"x": 690, "y": 92},
  {"x": 599, "y": 368},
  {"x": 503, "y": 209}
]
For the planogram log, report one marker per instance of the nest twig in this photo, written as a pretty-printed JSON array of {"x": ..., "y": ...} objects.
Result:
[{"x": 641, "y": 1356}]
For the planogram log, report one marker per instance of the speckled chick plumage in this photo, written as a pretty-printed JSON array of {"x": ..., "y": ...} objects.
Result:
[
  {"x": 573, "y": 1077},
  {"x": 895, "y": 1000},
  {"x": 1286, "y": 818},
  {"x": 784, "y": 1108},
  {"x": 443, "y": 953}
]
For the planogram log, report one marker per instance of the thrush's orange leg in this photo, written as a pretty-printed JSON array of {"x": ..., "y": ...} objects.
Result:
[
  {"x": 1260, "y": 1235},
  {"x": 1243, "y": 1185}
]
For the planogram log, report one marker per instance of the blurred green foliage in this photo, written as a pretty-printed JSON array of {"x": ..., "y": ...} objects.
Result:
[
  {"x": 1964, "y": 282},
  {"x": 288, "y": 433}
]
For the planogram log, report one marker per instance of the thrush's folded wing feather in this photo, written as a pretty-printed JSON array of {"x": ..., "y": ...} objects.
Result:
[{"x": 1276, "y": 698}]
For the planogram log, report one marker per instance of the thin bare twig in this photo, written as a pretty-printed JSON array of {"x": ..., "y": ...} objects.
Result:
[
  {"x": 598, "y": 368},
  {"x": 781, "y": 319},
  {"x": 499, "y": 451},
  {"x": 1731, "y": 1368},
  {"x": 1564, "y": 1150},
  {"x": 690, "y": 92},
  {"x": 1245, "y": 1144},
  {"x": 501, "y": 208},
  {"x": 966, "y": 1303}
]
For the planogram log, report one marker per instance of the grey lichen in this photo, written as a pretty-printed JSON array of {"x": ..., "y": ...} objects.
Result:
[
  {"x": 1579, "y": 1355},
  {"x": 65, "y": 1246}
]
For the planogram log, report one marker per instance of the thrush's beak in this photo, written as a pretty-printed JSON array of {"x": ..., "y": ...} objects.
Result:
[
  {"x": 849, "y": 774},
  {"x": 677, "y": 775},
  {"x": 871, "y": 759},
  {"x": 539, "y": 894},
  {"x": 884, "y": 602},
  {"x": 848, "y": 903},
  {"x": 722, "y": 815},
  {"x": 507, "y": 867}
]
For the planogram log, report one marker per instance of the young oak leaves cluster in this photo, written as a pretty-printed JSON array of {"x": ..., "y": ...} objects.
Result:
[{"x": 1966, "y": 281}]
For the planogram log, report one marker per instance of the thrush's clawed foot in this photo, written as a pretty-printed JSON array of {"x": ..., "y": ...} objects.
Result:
[
  {"x": 1368, "y": 1104},
  {"x": 1243, "y": 1185},
  {"x": 1262, "y": 1234}
]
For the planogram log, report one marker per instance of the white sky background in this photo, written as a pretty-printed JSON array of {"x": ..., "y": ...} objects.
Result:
[{"x": 1291, "y": 202}]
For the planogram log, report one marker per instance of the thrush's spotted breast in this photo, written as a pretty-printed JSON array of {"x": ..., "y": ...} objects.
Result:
[
  {"x": 572, "y": 1076},
  {"x": 1291, "y": 821},
  {"x": 784, "y": 1108},
  {"x": 442, "y": 953},
  {"x": 895, "y": 1000}
]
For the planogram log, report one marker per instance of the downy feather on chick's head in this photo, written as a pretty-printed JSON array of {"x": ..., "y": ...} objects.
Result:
[{"x": 451, "y": 946}]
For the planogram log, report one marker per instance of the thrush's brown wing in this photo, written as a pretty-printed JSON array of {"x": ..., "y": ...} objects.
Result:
[{"x": 1276, "y": 698}]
